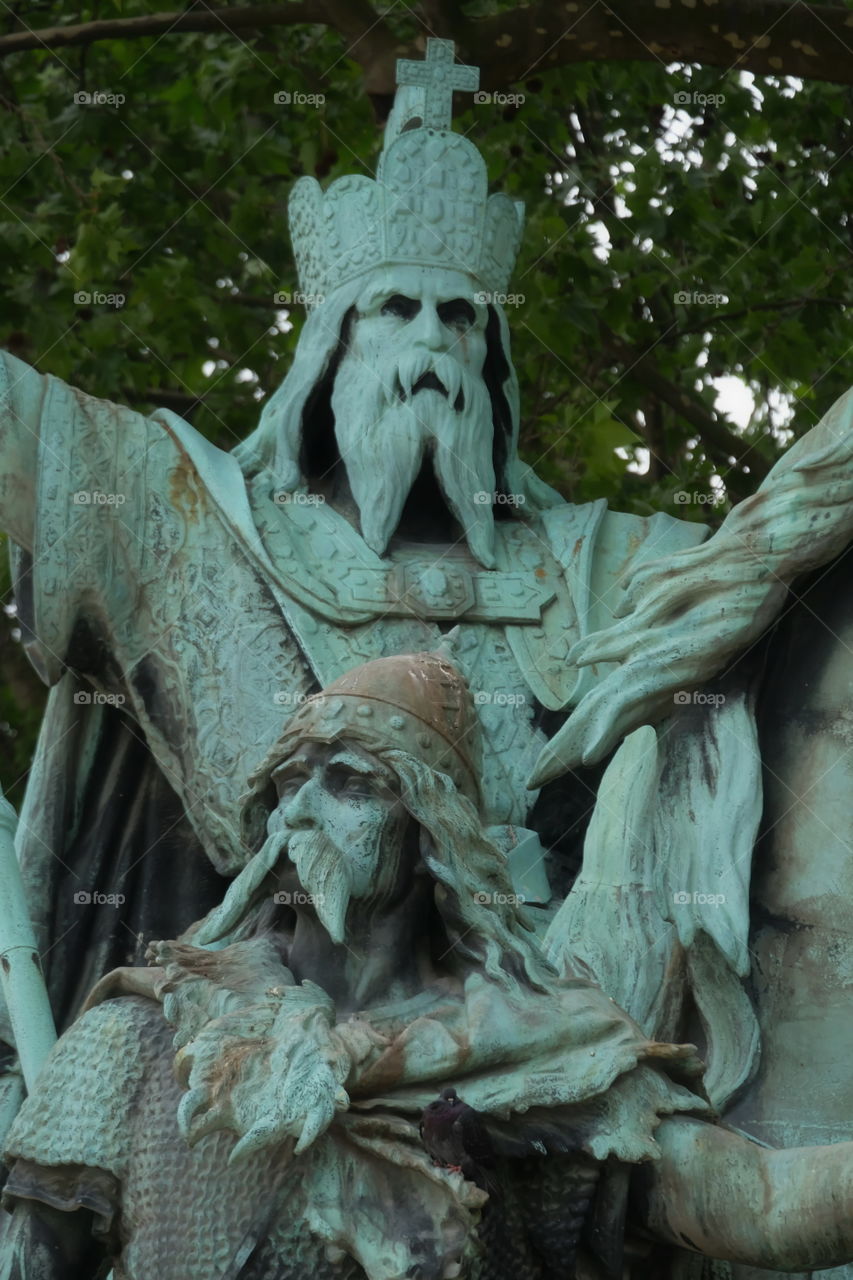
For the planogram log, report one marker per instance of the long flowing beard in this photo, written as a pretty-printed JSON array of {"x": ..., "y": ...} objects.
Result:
[
  {"x": 326, "y": 876},
  {"x": 384, "y": 427}
]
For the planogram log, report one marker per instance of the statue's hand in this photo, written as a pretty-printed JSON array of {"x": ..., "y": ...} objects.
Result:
[
  {"x": 268, "y": 1073},
  {"x": 684, "y": 617},
  {"x": 298, "y": 1095}
]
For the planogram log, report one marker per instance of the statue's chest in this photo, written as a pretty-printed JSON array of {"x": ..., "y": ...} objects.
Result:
[
  {"x": 508, "y": 630},
  {"x": 229, "y": 652},
  {"x": 331, "y": 582},
  {"x": 506, "y": 707}
]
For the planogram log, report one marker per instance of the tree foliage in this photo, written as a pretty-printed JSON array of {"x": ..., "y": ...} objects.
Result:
[{"x": 685, "y": 222}]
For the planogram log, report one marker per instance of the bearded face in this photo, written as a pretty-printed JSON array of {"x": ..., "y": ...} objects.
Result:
[
  {"x": 341, "y": 824},
  {"x": 410, "y": 383}
]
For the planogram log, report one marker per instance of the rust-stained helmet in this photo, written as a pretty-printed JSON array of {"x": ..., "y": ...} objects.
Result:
[{"x": 417, "y": 702}]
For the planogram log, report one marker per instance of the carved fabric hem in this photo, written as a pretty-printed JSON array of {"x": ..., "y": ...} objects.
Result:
[{"x": 68, "y": 1188}]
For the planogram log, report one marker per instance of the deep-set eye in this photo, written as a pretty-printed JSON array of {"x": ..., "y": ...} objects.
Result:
[
  {"x": 350, "y": 782},
  {"x": 457, "y": 314},
  {"x": 401, "y": 307},
  {"x": 287, "y": 784}
]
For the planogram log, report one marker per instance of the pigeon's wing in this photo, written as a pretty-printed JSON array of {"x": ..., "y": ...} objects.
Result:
[
  {"x": 538, "y": 1132},
  {"x": 474, "y": 1137}
]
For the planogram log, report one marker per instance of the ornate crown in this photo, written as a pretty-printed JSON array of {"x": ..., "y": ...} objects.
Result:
[{"x": 429, "y": 204}]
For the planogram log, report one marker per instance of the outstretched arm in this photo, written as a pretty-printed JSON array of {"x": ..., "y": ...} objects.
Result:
[
  {"x": 685, "y": 617},
  {"x": 720, "y": 1195}
]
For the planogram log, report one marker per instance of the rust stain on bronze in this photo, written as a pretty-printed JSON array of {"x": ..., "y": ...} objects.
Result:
[{"x": 183, "y": 488}]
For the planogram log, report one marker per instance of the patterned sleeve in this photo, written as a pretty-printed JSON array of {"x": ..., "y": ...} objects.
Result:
[{"x": 78, "y": 562}]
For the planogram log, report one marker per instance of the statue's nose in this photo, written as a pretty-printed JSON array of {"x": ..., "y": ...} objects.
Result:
[
  {"x": 300, "y": 810},
  {"x": 427, "y": 329}
]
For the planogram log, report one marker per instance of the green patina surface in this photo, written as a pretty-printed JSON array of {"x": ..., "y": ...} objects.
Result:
[{"x": 207, "y": 597}]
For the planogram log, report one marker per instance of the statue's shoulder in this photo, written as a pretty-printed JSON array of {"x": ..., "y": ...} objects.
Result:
[
  {"x": 599, "y": 549},
  {"x": 617, "y": 532},
  {"x": 219, "y": 471},
  {"x": 107, "y": 1039},
  {"x": 91, "y": 1079},
  {"x": 624, "y": 537}
]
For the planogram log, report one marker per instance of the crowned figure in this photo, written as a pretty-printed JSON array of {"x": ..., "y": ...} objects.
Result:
[{"x": 176, "y": 597}]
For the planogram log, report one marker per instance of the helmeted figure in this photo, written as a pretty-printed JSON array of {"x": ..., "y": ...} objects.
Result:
[
  {"x": 371, "y": 949},
  {"x": 177, "y": 598}
]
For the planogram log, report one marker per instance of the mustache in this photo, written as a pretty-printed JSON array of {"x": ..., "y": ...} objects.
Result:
[{"x": 420, "y": 370}]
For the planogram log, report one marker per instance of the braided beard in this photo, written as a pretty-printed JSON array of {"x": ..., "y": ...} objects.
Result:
[
  {"x": 325, "y": 875},
  {"x": 384, "y": 426}
]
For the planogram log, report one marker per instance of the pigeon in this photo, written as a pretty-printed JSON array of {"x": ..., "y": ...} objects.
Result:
[
  {"x": 456, "y": 1138},
  {"x": 539, "y": 1183}
]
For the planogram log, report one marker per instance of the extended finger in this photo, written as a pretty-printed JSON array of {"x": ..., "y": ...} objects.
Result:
[
  {"x": 621, "y": 702},
  {"x": 317, "y": 1120},
  {"x": 262, "y": 1134},
  {"x": 210, "y": 1121},
  {"x": 616, "y": 643},
  {"x": 190, "y": 1105}
]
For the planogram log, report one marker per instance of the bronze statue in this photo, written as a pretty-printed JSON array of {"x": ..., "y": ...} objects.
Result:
[{"x": 249, "y": 1106}]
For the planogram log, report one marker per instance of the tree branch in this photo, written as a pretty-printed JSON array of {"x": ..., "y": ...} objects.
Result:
[
  {"x": 370, "y": 42},
  {"x": 721, "y": 442},
  {"x": 785, "y": 305},
  {"x": 769, "y": 37},
  {"x": 158, "y": 24}
]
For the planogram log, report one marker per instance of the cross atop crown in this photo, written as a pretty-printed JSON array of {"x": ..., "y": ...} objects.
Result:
[{"x": 439, "y": 76}]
